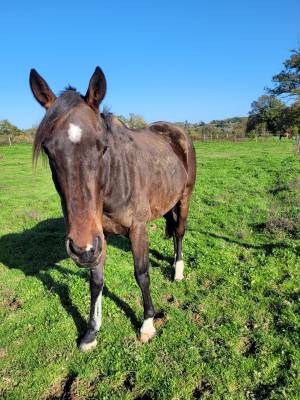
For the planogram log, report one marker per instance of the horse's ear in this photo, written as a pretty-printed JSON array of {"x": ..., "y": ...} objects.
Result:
[
  {"x": 41, "y": 90},
  {"x": 97, "y": 89}
]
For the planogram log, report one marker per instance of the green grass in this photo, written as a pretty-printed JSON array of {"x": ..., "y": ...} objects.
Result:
[{"x": 230, "y": 330}]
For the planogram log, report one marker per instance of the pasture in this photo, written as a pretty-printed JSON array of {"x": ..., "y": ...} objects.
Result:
[{"x": 229, "y": 330}]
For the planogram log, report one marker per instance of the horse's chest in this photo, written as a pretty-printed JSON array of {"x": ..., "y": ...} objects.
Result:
[{"x": 116, "y": 224}]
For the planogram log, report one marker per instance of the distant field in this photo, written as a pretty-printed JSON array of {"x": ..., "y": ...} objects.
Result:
[{"x": 230, "y": 330}]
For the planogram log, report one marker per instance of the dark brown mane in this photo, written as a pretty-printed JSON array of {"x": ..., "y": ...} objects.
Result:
[
  {"x": 68, "y": 99},
  {"x": 69, "y": 87},
  {"x": 107, "y": 117}
]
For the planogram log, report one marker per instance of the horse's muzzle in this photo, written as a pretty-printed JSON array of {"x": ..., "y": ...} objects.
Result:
[{"x": 85, "y": 257}]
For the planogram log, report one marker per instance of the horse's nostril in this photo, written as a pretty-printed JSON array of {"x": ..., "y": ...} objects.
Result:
[
  {"x": 73, "y": 248},
  {"x": 97, "y": 245}
]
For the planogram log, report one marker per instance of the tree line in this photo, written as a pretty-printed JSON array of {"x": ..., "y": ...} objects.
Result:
[
  {"x": 276, "y": 112},
  {"x": 269, "y": 113}
]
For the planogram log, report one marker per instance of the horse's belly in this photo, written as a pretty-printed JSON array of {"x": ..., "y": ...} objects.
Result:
[
  {"x": 164, "y": 196},
  {"x": 146, "y": 190}
]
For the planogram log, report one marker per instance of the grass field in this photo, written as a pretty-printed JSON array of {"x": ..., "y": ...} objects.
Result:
[{"x": 230, "y": 330}]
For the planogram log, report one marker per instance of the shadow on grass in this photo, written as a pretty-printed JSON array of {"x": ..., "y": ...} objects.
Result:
[
  {"x": 155, "y": 256},
  {"x": 167, "y": 270},
  {"x": 38, "y": 250},
  {"x": 266, "y": 247},
  {"x": 35, "y": 252}
]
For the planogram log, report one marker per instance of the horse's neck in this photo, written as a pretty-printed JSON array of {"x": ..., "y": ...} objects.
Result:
[{"x": 110, "y": 159}]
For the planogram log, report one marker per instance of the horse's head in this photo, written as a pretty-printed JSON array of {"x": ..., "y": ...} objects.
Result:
[{"x": 72, "y": 134}]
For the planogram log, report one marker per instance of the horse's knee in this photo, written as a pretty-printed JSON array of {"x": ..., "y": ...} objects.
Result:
[
  {"x": 180, "y": 229},
  {"x": 142, "y": 278}
]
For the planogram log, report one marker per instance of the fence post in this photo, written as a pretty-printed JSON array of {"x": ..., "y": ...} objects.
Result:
[{"x": 298, "y": 144}]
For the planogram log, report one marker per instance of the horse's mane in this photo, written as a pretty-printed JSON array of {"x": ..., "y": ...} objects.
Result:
[{"x": 68, "y": 99}]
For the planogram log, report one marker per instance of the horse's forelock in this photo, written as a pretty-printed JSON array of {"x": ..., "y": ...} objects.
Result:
[{"x": 68, "y": 99}]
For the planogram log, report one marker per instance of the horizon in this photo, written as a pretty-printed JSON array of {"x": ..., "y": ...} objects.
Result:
[{"x": 194, "y": 62}]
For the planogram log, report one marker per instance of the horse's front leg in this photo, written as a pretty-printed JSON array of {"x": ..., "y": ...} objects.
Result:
[
  {"x": 96, "y": 286},
  {"x": 139, "y": 242}
]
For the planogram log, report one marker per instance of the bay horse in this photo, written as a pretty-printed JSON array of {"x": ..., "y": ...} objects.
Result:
[
  {"x": 113, "y": 180},
  {"x": 285, "y": 134}
]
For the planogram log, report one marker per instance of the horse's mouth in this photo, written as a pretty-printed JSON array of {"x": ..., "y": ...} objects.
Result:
[
  {"x": 90, "y": 264},
  {"x": 81, "y": 263}
]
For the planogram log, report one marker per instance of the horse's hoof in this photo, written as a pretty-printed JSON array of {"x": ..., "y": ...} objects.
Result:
[
  {"x": 145, "y": 337},
  {"x": 179, "y": 267},
  {"x": 147, "y": 330},
  {"x": 178, "y": 278},
  {"x": 84, "y": 347}
]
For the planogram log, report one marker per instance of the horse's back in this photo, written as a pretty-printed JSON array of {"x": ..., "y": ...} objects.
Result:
[
  {"x": 181, "y": 144},
  {"x": 155, "y": 135}
]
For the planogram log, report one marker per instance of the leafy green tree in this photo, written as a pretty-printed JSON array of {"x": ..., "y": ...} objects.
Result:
[
  {"x": 9, "y": 130},
  {"x": 6, "y": 128},
  {"x": 266, "y": 114},
  {"x": 287, "y": 82},
  {"x": 292, "y": 119},
  {"x": 136, "y": 121},
  {"x": 123, "y": 119}
]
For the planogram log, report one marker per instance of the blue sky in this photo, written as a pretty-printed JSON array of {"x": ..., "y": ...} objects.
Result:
[{"x": 166, "y": 60}]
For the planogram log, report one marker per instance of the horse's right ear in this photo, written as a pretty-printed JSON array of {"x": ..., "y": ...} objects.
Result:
[{"x": 41, "y": 90}]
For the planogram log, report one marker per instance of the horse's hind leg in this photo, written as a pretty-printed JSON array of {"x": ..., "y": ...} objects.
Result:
[
  {"x": 182, "y": 209},
  {"x": 171, "y": 221}
]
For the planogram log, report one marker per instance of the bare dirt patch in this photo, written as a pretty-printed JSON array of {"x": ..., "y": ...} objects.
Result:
[
  {"x": 12, "y": 305},
  {"x": 64, "y": 390}
]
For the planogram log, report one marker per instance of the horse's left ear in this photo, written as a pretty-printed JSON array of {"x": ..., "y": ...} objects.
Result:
[{"x": 96, "y": 90}]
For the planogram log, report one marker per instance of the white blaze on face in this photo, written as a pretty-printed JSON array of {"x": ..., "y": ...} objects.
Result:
[
  {"x": 88, "y": 247},
  {"x": 74, "y": 133}
]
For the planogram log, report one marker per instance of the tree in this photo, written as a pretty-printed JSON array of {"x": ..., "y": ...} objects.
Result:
[
  {"x": 9, "y": 130},
  {"x": 267, "y": 113},
  {"x": 288, "y": 80},
  {"x": 292, "y": 119},
  {"x": 136, "y": 121},
  {"x": 123, "y": 119}
]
